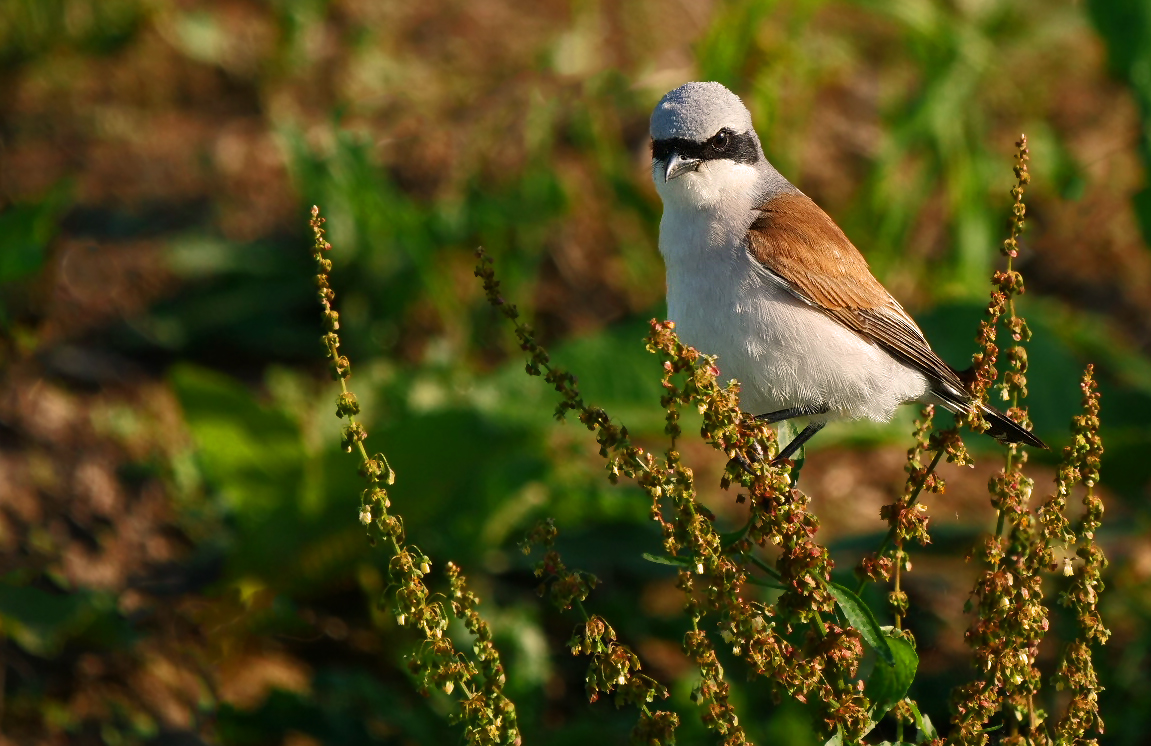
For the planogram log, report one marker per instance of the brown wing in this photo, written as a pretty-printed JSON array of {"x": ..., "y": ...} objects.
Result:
[{"x": 800, "y": 245}]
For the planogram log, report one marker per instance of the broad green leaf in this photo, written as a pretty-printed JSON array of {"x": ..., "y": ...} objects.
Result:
[
  {"x": 253, "y": 454},
  {"x": 926, "y": 730},
  {"x": 889, "y": 683},
  {"x": 860, "y": 617}
]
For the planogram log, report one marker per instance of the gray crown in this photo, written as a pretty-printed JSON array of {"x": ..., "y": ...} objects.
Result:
[{"x": 696, "y": 111}]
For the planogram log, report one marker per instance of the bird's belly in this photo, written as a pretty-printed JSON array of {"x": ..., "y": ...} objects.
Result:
[{"x": 787, "y": 354}]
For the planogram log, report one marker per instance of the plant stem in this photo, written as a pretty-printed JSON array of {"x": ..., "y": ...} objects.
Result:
[
  {"x": 910, "y": 504},
  {"x": 764, "y": 566},
  {"x": 898, "y": 574}
]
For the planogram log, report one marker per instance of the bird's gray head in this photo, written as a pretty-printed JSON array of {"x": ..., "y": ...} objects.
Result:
[
  {"x": 703, "y": 131},
  {"x": 696, "y": 111}
]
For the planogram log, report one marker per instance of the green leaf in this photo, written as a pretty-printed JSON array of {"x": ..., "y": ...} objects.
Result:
[
  {"x": 837, "y": 739},
  {"x": 663, "y": 559},
  {"x": 926, "y": 731},
  {"x": 253, "y": 454},
  {"x": 889, "y": 684},
  {"x": 860, "y": 617}
]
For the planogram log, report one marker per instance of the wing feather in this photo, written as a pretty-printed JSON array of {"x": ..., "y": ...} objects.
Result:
[{"x": 807, "y": 253}]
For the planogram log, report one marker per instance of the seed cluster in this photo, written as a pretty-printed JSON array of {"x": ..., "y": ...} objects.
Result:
[
  {"x": 614, "y": 668},
  {"x": 1007, "y": 599},
  {"x": 1010, "y": 618},
  {"x": 488, "y": 716},
  {"x": 822, "y": 669},
  {"x": 906, "y": 517},
  {"x": 1076, "y": 671},
  {"x": 716, "y": 572}
]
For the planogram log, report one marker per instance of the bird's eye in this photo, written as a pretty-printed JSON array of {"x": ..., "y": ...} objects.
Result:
[{"x": 721, "y": 140}]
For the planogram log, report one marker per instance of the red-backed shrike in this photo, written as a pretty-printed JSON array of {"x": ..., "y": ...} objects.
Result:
[{"x": 759, "y": 275}]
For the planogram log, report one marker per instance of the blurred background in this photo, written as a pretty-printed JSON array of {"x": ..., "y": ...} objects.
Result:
[{"x": 180, "y": 556}]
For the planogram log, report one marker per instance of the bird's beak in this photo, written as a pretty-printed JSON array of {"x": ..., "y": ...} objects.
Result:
[{"x": 677, "y": 165}]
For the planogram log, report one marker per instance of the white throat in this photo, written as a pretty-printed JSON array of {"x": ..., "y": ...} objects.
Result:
[{"x": 705, "y": 210}]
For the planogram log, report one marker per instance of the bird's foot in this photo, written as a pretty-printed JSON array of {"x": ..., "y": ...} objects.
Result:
[{"x": 752, "y": 455}]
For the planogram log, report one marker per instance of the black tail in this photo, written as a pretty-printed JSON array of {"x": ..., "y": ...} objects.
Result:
[
  {"x": 1006, "y": 430},
  {"x": 1002, "y": 428}
]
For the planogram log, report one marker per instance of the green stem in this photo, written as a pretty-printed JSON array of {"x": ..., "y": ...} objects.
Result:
[
  {"x": 764, "y": 566},
  {"x": 910, "y": 504},
  {"x": 582, "y": 610},
  {"x": 898, "y": 574}
]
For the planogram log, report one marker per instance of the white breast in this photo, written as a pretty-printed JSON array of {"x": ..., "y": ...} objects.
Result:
[{"x": 784, "y": 352}]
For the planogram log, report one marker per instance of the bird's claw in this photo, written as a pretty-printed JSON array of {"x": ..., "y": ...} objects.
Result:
[{"x": 754, "y": 451}]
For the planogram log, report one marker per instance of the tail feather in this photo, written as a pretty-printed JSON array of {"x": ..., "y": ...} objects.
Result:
[
  {"x": 1006, "y": 430},
  {"x": 1002, "y": 428}
]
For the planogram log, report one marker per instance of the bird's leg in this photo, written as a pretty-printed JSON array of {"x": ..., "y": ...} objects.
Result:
[
  {"x": 772, "y": 418},
  {"x": 797, "y": 442},
  {"x": 804, "y": 410},
  {"x": 791, "y": 413}
]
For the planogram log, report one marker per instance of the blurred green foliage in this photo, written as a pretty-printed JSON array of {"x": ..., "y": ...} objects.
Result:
[
  {"x": 1125, "y": 25},
  {"x": 25, "y": 233},
  {"x": 33, "y": 28},
  {"x": 535, "y": 147}
]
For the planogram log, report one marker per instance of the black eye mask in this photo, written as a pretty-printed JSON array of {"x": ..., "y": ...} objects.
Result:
[{"x": 738, "y": 147}]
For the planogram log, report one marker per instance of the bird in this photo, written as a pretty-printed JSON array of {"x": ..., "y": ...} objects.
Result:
[{"x": 760, "y": 276}]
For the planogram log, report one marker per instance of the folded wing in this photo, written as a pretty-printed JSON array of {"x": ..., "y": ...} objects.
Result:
[{"x": 806, "y": 253}]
